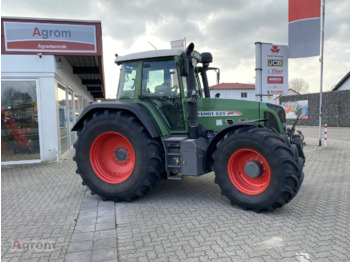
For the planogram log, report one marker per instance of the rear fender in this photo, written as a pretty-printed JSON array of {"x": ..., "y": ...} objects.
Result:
[{"x": 140, "y": 111}]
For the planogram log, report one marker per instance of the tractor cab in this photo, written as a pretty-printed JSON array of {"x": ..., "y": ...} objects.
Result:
[{"x": 155, "y": 80}]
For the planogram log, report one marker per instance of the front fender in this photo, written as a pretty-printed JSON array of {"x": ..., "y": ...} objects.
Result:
[{"x": 212, "y": 145}]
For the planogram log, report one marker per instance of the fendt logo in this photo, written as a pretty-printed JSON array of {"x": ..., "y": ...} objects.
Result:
[
  {"x": 45, "y": 34},
  {"x": 275, "y": 62},
  {"x": 275, "y": 50}
]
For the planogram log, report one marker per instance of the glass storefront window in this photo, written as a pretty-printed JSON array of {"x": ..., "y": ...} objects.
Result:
[
  {"x": 19, "y": 121},
  {"x": 76, "y": 108},
  {"x": 62, "y": 112},
  {"x": 81, "y": 104},
  {"x": 71, "y": 117}
]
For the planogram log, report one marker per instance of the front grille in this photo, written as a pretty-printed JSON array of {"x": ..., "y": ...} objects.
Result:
[
  {"x": 271, "y": 120},
  {"x": 279, "y": 110}
]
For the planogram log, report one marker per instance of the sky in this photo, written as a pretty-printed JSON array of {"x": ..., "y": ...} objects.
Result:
[{"x": 226, "y": 28}]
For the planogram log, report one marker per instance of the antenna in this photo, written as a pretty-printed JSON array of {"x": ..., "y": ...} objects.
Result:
[{"x": 152, "y": 45}]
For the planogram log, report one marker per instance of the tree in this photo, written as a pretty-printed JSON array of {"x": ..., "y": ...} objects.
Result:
[{"x": 299, "y": 85}]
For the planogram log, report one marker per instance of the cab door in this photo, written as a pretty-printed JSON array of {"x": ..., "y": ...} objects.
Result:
[{"x": 160, "y": 88}]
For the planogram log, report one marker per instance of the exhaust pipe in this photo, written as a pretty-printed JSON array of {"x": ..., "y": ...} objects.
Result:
[{"x": 192, "y": 93}]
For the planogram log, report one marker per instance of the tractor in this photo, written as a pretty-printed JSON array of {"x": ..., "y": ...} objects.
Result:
[{"x": 165, "y": 125}]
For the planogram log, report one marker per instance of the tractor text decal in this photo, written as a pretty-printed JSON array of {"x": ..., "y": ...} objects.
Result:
[{"x": 218, "y": 113}]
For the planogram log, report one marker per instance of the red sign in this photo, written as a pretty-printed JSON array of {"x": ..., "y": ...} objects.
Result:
[{"x": 275, "y": 79}]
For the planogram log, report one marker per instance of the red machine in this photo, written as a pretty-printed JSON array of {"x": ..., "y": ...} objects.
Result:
[{"x": 18, "y": 134}]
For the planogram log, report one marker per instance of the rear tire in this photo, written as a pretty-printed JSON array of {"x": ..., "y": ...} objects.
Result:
[
  {"x": 257, "y": 169},
  {"x": 116, "y": 157}
]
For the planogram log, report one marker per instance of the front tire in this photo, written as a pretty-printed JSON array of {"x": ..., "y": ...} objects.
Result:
[
  {"x": 257, "y": 169},
  {"x": 116, "y": 157}
]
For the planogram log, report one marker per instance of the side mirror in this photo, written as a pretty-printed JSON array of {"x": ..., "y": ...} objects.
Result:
[{"x": 184, "y": 65}]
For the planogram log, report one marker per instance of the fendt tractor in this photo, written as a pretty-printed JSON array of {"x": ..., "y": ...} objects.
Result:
[{"x": 164, "y": 124}]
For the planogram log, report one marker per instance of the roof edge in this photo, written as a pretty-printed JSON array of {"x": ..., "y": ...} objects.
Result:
[
  {"x": 50, "y": 19},
  {"x": 339, "y": 84},
  {"x": 147, "y": 54}
]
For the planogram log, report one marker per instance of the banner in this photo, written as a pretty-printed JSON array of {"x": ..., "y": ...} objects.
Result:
[
  {"x": 304, "y": 28},
  {"x": 291, "y": 108},
  {"x": 177, "y": 44}
]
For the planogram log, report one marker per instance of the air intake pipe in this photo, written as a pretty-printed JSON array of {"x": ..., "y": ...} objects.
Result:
[{"x": 191, "y": 93}]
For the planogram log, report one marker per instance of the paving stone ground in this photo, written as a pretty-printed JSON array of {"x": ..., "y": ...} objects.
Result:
[
  {"x": 40, "y": 205},
  {"x": 47, "y": 211},
  {"x": 189, "y": 220}
]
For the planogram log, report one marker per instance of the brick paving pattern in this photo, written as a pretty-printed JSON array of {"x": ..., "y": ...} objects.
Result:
[
  {"x": 39, "y": 205},
  {"x": 45, "y": 205},
  {"x": 189, "y": 220}
]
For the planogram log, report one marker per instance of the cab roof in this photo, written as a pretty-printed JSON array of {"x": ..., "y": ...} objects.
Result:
[{"x": 147, "y": 54}]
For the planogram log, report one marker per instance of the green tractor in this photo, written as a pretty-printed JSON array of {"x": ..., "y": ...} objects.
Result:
[{"x": 165, "y": 125}]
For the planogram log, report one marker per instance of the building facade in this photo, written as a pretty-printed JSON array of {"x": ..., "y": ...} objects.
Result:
[
  {"x": 343, "y": 84},
  {"x": 50, "y": 70},
  {"x": 234, "y": 91}
]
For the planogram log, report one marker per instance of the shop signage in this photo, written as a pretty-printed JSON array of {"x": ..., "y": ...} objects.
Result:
[
  {"x": 274, "y": 69},
  {"x": 48, "y": 37}
]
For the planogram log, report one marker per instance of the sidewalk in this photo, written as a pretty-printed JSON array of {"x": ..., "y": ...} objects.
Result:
[{"x": 47, "y": 215}]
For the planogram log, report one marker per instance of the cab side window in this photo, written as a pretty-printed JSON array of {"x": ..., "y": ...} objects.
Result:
[{"x": 127, "y": 81}]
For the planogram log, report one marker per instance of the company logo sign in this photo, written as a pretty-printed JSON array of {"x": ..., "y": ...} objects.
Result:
[
  {"x": 274, "y": 49},
  {"x": 275, "y": 62},
  {"x": 275, "y": 90},
  {"x": 47, "y": 37},
  {"x": 52, "y": 34},
  {"x": 275, "y": 71},
  {"x": 275, "y": 79}
]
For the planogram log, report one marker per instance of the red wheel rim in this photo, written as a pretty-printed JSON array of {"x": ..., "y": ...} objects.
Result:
[
  {"x": 240, "y": 179},
  {"x": 112, "y": 157}
]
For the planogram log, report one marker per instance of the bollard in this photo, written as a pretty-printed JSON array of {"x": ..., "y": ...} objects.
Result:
[{"x": 325, "y": 135}]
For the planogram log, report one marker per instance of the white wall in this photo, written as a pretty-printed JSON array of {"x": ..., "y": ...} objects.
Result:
[
  {"x": 25, "y": 64},
  {"x": 234, "y": 94}
]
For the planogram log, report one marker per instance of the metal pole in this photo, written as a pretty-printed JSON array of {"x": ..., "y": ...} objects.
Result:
[
  {"x": 258, "y": 69},
  {"x": 321, "y": 79}
]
